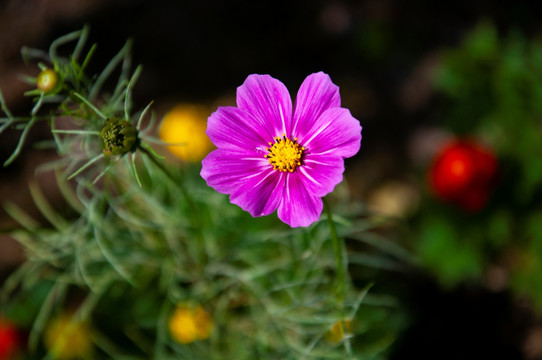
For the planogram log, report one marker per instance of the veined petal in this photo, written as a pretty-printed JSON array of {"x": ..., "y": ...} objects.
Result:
[
  {"x": 227, "y": 170},
  {"x": 318, "y": 137},
  {"x": 335, "y": 131},
  {"x": 260, "y": 195},
  {"x": 233, "y": 128},
  {"x": 320, "y": 173},
  {"x": 298, "y": 207},
  {"x": 316, "y": 95},
  {"x": 269, "y": 101}
]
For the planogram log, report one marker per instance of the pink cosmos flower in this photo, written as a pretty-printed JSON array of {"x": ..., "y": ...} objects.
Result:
[{"x": 270, "y": 156}]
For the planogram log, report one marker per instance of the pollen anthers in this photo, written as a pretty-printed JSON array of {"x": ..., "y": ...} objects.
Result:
[{"x": 285, "y": 154}]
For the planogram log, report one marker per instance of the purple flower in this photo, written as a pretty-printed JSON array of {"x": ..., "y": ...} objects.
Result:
[{"x": 269, "y": 157}]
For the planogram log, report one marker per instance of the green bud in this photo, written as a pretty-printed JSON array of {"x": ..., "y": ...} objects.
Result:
[
  {"x": 119, "y": 137},
  {"x": 47, "y": 80}
]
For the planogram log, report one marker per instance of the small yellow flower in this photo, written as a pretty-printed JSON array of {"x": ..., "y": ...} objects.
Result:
[
  {"x": 185, "y": 125},
  {"x": 66, "y": 338},
  {"x": 190, "y": 323},
  {"x": 47, "y": 80},
  {"x": 339, "y": 331}
]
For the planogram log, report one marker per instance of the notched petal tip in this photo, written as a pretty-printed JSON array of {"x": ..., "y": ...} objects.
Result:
[
  {"x": 316, "y": 95},
  {"x": 268, "y": 100}
]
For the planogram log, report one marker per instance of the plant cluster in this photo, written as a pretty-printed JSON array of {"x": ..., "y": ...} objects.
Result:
[
  {"x": 491, "y": 91},
  {"x": 146, "y": 261}
]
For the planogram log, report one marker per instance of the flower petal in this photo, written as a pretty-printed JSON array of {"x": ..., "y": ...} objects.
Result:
[
  {"x": 316, "y": 95},
  {"x": 335, "y": 131},
  {"x": 226, "y": 170},
  {"x": 321, "y": 173},
  {"x": 269, "y": 101},
  {"x": 298, "y": 207},
  {"x": 233, "y": 128},
  {"x": 242, "y": 134},
  {"x": 248, "y": 178},
  {"x": 260, "y": 195}
]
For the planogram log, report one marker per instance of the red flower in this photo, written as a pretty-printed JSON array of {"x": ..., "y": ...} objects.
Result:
[
  {"x": 464, "y": 173},
  {"x": 9, "y": 339}
]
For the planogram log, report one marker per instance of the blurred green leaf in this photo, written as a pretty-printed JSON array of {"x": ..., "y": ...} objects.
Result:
[{"x": 448, "y": 252}]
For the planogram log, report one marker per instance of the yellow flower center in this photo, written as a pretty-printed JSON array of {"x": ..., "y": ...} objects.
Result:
[{"x": 285, "y": 154}]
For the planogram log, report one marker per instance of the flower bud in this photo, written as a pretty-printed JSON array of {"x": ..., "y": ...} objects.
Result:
[
  {"x": 190, "y": 323},
  {"x": 339, "y": 331},
  {"x": 66, "y": 338},
  {"x": 47, "y": 80},
  {"x": 119, "y": 137}
]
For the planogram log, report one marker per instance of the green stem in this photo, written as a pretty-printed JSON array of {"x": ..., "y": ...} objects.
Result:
[
  {"x": 340, "y": 289},
  {"x": 338, "y": 249},
  {"x": 168, "y": 174},
  {"x": 187, "y": 196}
]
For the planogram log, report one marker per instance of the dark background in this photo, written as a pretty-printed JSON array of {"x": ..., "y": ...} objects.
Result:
[{"x": 380, "y": 52}]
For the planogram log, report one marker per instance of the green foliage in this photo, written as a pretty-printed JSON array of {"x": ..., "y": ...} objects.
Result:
[
  {"x": 492, "y": 85},
  {"x": 143, "y": 235},
  {"x": 440, "y": 237},
  {"x": 528, "y": 261},
  {"x": 495, "y": 87}
]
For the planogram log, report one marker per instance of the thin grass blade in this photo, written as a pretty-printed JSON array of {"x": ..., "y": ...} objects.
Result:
[
  {"x": 37, "y": 106},
  {"x": 61, "y": 41},
  {"x": 89, "y": 104},
  {"x": 22, "y": 139},
  {"x": 90, "y": 162},
  {"x": 100, "y": 175},
  {"x": 108, "y": 70},
  {"x": 4, "y": 106},
  {"x": 134, "y": 168},
  {"x": 143, "y": 113},
  {"x": 76, "y": 132},
  {"x": 111, "y": 258},
  {"x": 83, "y": 36},
  {"x": 29, "y": 53},
  {"x": 57, "y": 292},
  {"x": 128, "y": 94},
  {"x": 45, "y": 207}
]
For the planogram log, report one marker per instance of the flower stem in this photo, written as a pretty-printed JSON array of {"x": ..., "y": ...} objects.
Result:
[
  {"x": 190, "y": 201},
  {"x": 338, "y": 249},
  {"x": 340, "y": 289},
  {"x": 170, "y": 176}
]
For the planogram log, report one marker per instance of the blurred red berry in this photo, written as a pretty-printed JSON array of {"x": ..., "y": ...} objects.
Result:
[
  {"x": 9, "y": 340},
  {"x": 463, "y": 173}
]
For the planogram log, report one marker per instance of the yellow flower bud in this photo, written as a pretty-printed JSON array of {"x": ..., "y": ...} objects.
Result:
[
  {"x": 190, "y": 323},
  {"x": 185, "y": 126},
  {"x": 47, "y": 80},
  {"x": 339, "y": 331},
  {"x": 66, "y": 338}
]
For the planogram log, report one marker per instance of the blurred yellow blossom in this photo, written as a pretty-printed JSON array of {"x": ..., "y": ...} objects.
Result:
[
  {"x": 68, "y": 338},
  {"x": 190, "y": 323},
  {"x": 394, "y": 198},
  {"x": 185, "y": 125},
  {"x": 339, "y": 331}
]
